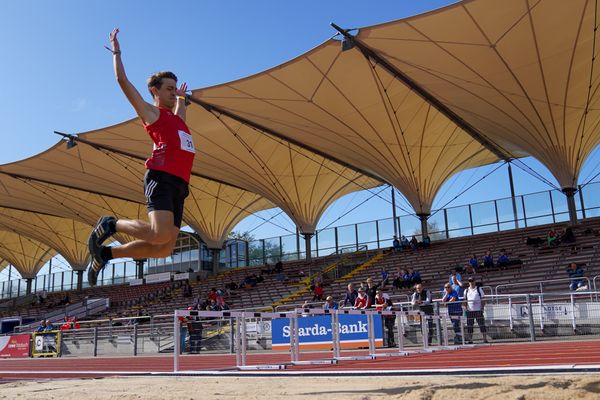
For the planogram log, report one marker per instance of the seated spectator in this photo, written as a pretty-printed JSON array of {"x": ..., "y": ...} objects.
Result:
[
  {"x": 426, "y": 242},
  {"x": 362, "y": 301},
  {"x": 415, "y": 277},
  {"x": 260, "y": 278},
  {"x": 267, "y": 269},
  {"x": 396, "y": 244},
  {"x": 503, "y": 259},
  {"x": 42, "y": 327},
  {"x": 488, "y": 260},
  {"x": 330, "y": 304},
  {"x": 212, "y": 294},
  {"x": 65, "y": 300},
  {"x": 474, "y": 263},
  {"x": 231, "y": 286},
  {"x": 220, "y": 299},
  {"x": 49, "y": 326},
  {"x": 404, "y": 243},
  {"x": 318, "y": 293},
  {"x": 281, "y": 277},
  {"x": 187, "y": 289},
  {"x": 534, "y": 241},
  {"x": 351, "y": 295},
  {"x": 568, "y": 236},
  {"x": 414, "y": 243},
  {"x": 398, "y": 281},
  {"x": 278, "y": 267},
  {"x": 576, "y": 275},
  {"x": 552, "y": 237}
]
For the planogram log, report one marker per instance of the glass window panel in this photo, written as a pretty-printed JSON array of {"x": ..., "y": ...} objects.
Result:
[
  {"x": 409, "y": 225},
  {"x": 386, "y": 232},
  {"x": 484, "y": 216},
  {"x": 290, "y": 251},
  {"x": 459, "y": 221},
  {"x": 537, "y": 205},
  {"x": 326, "y": 241},
  {"x": 367, "y": 234}
]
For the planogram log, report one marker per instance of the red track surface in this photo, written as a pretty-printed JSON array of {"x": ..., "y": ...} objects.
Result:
[{"x": 515, "y": 356}]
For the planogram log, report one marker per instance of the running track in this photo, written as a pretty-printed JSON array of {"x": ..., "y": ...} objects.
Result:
[{"x": 515, "y": 357}]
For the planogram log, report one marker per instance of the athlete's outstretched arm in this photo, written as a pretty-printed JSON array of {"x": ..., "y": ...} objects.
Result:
[
  {"x": 146, "y": 111},
  {"x": 180, "y": 107}
]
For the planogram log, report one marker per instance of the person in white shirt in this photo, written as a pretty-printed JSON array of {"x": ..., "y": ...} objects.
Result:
[{"x": 474, "y": 298}]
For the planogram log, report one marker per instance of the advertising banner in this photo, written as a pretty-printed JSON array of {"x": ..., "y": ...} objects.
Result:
[
  {"x": 315, "y": 332},
  {"x": 14, "y": 346}
]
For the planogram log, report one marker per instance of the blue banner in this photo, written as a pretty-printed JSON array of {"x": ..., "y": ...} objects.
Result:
[{"x": 315, "y": 331}]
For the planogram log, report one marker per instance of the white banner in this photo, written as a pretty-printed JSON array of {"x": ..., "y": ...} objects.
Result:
[{"x": 155, "y": 278}]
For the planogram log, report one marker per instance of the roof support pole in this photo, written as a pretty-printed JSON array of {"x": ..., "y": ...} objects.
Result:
[
  {"x": 512, "y": 195},
  {"x": 79, "y": 280},
  {"x": 570, "y": 193},
  {"x": 394, "y": 213},
  {"x": 139, "y": 263},
  {"x": 29, "y": 280},
  {"x": 424, "y": 229},
  {"x": 216, "y": 259},
  {"x": 307, "y": 238},
  {"x": 430, "y": 98}
]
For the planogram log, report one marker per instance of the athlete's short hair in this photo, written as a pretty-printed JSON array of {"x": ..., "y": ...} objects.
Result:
[{"x": 156, "y": 79}]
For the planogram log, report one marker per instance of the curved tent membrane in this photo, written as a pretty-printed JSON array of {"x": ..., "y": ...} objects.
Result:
[
  {"x": 520, "y": 72},
  {"x": 85, "y": 182},
  {"x": 345, "y": 105},
  {"x": 27, "y": 255},
  {"x": 66, "y": 236},
  {"x": 298, "y": 181}
]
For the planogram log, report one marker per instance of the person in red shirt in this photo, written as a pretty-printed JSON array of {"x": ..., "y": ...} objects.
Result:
[
  {"x": 167, "y": 177},
  {"x": 380, "y": 301},
  {"x": 362, "y": 301}
]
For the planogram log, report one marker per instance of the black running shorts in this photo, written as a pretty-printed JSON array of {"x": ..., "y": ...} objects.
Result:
[{"x": 164, "y": 191}]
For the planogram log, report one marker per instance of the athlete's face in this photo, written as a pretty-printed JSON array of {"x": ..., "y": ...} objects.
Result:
[{"x": 167, "y": 93}]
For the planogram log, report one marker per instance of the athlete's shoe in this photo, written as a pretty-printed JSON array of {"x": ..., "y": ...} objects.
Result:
[
  {"x": 105, "y": 228},
  {"x": 95, "y": 268}
]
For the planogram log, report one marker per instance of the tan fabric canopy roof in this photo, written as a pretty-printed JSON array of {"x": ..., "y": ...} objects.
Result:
[
  {"x": 518, "y": 71},
  {"x": 412, "y": 103},
  {"x": 25, "y": 254}
]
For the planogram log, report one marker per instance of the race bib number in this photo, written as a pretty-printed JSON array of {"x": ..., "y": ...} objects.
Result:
[{"x": 186, "y": 142}]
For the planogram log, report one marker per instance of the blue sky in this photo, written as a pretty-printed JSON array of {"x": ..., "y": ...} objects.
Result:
[{"x": 58, "y": 76}]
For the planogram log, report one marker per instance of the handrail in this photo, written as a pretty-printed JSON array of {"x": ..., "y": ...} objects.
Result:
[{"x": 541, "y": 283}]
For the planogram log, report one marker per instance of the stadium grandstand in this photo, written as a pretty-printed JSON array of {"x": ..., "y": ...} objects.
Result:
[{"x": 400, "y": 107}]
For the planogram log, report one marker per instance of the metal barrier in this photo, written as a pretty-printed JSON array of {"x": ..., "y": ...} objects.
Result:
[{"x": 540, "y": 283}]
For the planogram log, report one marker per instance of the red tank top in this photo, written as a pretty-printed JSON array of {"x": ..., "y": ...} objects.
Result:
[{"x": 173, "y": 146}]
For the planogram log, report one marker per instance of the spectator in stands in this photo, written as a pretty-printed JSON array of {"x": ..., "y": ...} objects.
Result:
[
  {"x": 362, "y": 301},
  {"x": 474, "y": 298},
  {"x": 389, "y": 322},
  {"x": 212, "y": 294},
  {"x": 414, "y": 243},
  {"x": 187, "y": 289},
  {"x": 267, "y": 270},
  {"x": 552, "y": 237},
  {"x": 318, "y": 293},
  {"x": 503, "y": 259},
  {"x": 371, "y": 290},
  {"x": 576, "y": 275},
  {"x": 457, "y": 286},
  {"x": 426, "y": 242},
  {"x": 421, "y": 299},
  {"x": 379, "y": 302},
  {"x": 231, "y": 286},
  {"x": 351, "y": 295},
  {"x": 49, "y": 326},
  {"x": 278, "y": 267},
  {"x": 396, "y": 244},
  {"x": 183, "y": 322},
  {"x": 404, "y": 243},
  {"x": 281, "y": 277},
  {"x": 568, "y": 236},
  {"x": 488, "y": 260},
  {"x": 385, "y": 278},
  {"x": 398, "y": 281},
  {"x": 414, "y": 277},
  {"x": 330, "y": 304},
  {"x": 454, "y": 275},
  {"x": 455, "y": 311},
  {"x": 65, "y": 300},
  {"x": 260, "y": 278},
  {"x": 474, "y": 263},
  {"x": 195, "y": 330},
  {"x": 213, "y": 306},
  {"x": 42, "y": 327},
  {"x": 220, "y": 299}
]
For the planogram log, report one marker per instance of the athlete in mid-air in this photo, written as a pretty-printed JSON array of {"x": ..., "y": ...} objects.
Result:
[{"x": 167, "y": 176}]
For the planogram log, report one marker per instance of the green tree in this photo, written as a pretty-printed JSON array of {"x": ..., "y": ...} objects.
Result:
[
  {"x": 272, "y": 250},
  {"x": 433, "y": 230}
]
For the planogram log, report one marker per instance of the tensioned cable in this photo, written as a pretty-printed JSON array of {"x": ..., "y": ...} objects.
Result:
[
  {"x": 353, "y": 208},
  {"x": 467, "y": 189},
  {"x": 266, "y": 221},
  {"x": 534, "y": 173}
]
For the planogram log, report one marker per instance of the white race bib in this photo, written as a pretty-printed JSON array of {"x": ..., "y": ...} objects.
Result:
[{"x": 186, "y": 142}]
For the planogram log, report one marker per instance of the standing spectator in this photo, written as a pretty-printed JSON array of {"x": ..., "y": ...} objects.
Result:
[
  {"x": 568, "y": 236},
  {"x": 421, "y": 299},
  {"x": 187, "y": 289},
  {"x": 330, "y": 304},
  {"x": 362, "y": 301},
  {"x": 475, "y": 304},
  {"x": 488, "y": 260},
  {"x": 552, "y": 237},
  {"x": 503, "y": 259},
  {"x": 318, "y": 293},
  {"x": 351, "y": 295},
  {"x": 183, "y": 322},
  {"x": 404, "y": 243},
  {"x": 278, "y": 267},
  {"x": 379, "y": 302},
  {"x": 457, "y": 286},
  {"x": 372, "y": 290},
  {"x": 42, "y": 327},
  {"x": 454, "y": 310},
  {"x": 389, "y": 322},
  {"x": 385, "y": 277},
  {"x": 576, "y": 275},
  {"x": 49, "y": 326},
  {"x": 454, "y": 275}
]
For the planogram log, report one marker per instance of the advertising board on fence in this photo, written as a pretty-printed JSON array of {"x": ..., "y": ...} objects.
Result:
[
  {"x": 315, "y": 332},
  {"x": 14, "y": 346}
]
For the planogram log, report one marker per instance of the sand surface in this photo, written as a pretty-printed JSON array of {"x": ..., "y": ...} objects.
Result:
[{"x": 552, "y": 387}]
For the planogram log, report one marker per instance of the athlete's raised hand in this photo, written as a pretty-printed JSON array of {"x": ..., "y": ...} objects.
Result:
[
  {"x": 182, "y": 89},
  {"x": 114, "y": 42}
]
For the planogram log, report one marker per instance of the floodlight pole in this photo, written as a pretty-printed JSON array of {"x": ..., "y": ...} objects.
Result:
[{"x": 394, "y": 212}]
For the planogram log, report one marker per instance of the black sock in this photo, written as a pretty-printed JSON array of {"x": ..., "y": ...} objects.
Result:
[{"x": 106, "y": 253}]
